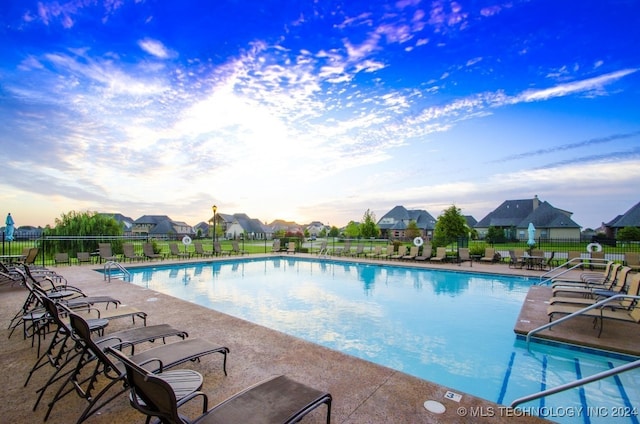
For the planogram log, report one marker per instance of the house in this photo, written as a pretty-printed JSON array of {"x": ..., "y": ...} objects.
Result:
[
  {"x": 315, "y": 228},
  {"x": 286, "y": 226},
  {"x": 202, "y": 229},
  {"x": 125, "y": 221},
  {"x": 514, "y": 216},
  {"x": 240, "y": 224},
  {"x": 393, "y": 224},
  {"x": 161, "y": 226},
  {"x": 630, "y": 218}
]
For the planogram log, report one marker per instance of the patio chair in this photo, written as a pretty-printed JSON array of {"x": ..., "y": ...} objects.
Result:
[
  {"x": 199, "y": 250},
  {"x": 595, "y": 294},
  {"x": 377, "y": 251},
  {"x": 386, "y": 253},
  {"x": 235, "y": 248},
  {"x": 515, "y": 261},
  {"x": 176, "y": 253},
  {"x": 427, "y": 249},
  {"x": 489, "y": 255},
  {"x": 463, "y": 255},
  {"x": 149, "y": 253},
  {"x": 129, "y": 253},
  {"x": 441, "y": 255},
  {"x": 217, "y": 248},
  {"x": 105, "y": 252},
  {"x": 632, "y": 260},
  {"x": 588, "y": 287},
  {"x": 402, "y": 251},
  {"x": 626, "y": 308},
  {"x": 61, "y": 351},
  {"x": 345, "y": 250},
  {"x": 275, "y": 248},
  {"x": 291, "y": 247},
  {"x": 83, "y": 257},
  {"x": 591, "y": 279},
  {"x": 573, "y": 258},
  {"x": 61, "y": 258},
  {"x": 155, "y": 360},
  {"x": 278, "y": 399},
  {"x": 413, "y": 253},
  {"x": 359, "y": 251}
]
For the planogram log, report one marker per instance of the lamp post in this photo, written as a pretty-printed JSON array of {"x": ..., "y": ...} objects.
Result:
[{"x": 213, "y": 237}]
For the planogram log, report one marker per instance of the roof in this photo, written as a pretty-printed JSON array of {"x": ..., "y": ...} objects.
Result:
[
  {"x": 399, "y": 217},
  {"x": 151, "y": 219},
  {"x": 630, "y": 218},
  {"x": 519, "y": 213}
]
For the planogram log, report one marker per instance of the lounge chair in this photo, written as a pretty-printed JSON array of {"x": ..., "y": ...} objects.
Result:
[
  {"x": 489, "y": 255},
  {"x": 345, "y": 250},
  {"x": 83, "y": 257},
  {"x": 105, "y": 252},
  {"x": 402, "y": 251},
  {"x": 441, "y": 255},
  {"x": 156, "y": 359},
  {"x": 129, "y": 253},
  {"x": 427, "y": 249},
  {"x": 323, "y": 248},
  {"x": 588, "y": 283},
  {"x": 176, "y": 253},
  {"x": 593, "y": 295},
  {"x": 626, "y": 308},
  {"x": 235, "y": 248},
  {"x": 149, "y": 253},
  {"x": 573, "y": 259},
  {"x": 463, "y": 255},
  {"x": 61, "y": 258},
  {"x": 275, "y": 248},
  {"x": 377, "y": 251},
  {"x": 592, "y": 276},
  {"x": 632, "y": 260},
  {"x": 199, "y": 250},
  {"x": 386, "y": 254},
  {"x": 413, "y": 253},
  {"x": 217, "y": 248},
  {"x": 359, "y": 251},
  {"x": 275, "y": 400},
  {"x": 291, "y": 247}
]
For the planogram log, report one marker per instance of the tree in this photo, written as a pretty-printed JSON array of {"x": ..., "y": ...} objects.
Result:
[
  {"x": 352, "y": 230},
  {"x": 449, "y": 226},
  {"x": 334, "y": 231},
  {"x": 628, "y": 234},
  {"x": 412, "y": 230},
  {"x": 79, "y": 225},
  {"x": 495, "y": 235},
  {"x": 369, "y": 228}
]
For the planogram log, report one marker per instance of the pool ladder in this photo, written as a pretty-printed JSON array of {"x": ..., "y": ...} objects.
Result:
[
  {"x": 582, "y": 381},
  {"x": 107, "y": 270}
]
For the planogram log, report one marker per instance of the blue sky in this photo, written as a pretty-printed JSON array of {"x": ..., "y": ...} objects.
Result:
[{"x": 317, "y": 110}]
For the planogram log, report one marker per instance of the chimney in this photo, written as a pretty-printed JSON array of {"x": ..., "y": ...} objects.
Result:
[{"x": 536, "y": 202}]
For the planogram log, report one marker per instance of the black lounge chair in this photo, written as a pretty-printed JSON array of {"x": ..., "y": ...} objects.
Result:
[
  {"x": 128, "y": 250},
  {"x": 154, "y": 360},
  {"x": 276, "y": 400},
  {"x": 176, "y": 253},
  {"x": 61, "y": 351},
  {"x": 105, "y": 252},
  {"x": 147, "y": 250}
]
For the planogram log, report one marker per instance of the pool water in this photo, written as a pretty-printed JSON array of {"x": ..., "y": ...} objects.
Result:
[{"x": 452, "y": 328}]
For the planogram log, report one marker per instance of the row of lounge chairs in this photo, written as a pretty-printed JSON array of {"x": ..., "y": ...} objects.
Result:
[
  {"x": 613, "y": 294},
  {"x": 83, "y": 357}
]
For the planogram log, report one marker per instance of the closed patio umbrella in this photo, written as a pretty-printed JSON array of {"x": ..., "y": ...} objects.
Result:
[
  {"x": 8, "y": 230},
  {"x": 532, "y": 234}
]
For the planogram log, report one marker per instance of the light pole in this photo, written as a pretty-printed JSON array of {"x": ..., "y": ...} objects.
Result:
[{"x": 213, "y": 237}]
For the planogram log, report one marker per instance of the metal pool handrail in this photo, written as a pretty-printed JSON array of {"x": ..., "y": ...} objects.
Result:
[
  {"x": 107, "y": 270},
  {"x": 578, "y": 262},
  {"x": 599, "y": 376}
]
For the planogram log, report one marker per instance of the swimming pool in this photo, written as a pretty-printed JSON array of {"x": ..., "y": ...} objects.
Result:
[{"x": 452, "y": 328}]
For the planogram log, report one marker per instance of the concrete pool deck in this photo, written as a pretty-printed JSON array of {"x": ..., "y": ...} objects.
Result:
[{"x": 363, "y": 392}]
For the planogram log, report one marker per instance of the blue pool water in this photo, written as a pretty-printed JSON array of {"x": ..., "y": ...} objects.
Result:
[{"x": 452, "y": 328}]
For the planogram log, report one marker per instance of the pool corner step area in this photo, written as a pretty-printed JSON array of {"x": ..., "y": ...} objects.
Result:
[
  {"x": 538, "y": 369},
  {"x": 614, "y": 397}
]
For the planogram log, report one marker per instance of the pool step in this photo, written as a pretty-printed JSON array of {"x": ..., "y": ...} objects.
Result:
[{"x": 613, "y": 399}]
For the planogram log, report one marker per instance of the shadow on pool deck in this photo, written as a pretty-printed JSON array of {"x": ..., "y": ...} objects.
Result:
[{"x": 363, "y": 392}]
